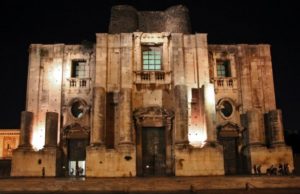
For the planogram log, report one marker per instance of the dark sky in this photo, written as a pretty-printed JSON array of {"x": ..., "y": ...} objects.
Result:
[{"x": 264, "y": 21}]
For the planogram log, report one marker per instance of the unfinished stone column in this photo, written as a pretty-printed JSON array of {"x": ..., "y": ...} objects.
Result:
[
  {"x": 98, "y": 119},
  {"x": 26, "y": 129},
  {"x": 181, "y": 114},
  {"x": 210, "y": 112},
  {"x": 275, "y": 127},
  {"x": 51, "y": 129},
  {"x": 125, "y": 116},
  {"x": 255, "y": 127}
]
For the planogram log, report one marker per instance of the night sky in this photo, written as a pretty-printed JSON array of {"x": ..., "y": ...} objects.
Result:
[{"x": 226, "y": 22}]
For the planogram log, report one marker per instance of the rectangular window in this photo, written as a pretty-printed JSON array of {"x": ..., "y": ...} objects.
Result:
[
  {"x": 152, "y": 59},
  {"x": 223, "y": 68},
  {"x": 79, "y": 69}
]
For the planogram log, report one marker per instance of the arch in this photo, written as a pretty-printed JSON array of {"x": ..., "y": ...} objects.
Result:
[
  {"x": 75, "y": 131},
  {"x": 233, "y": 129}
]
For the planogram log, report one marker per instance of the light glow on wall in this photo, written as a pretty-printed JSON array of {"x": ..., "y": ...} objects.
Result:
[
  {"x": 209, "y": 94},
  {"x": 197, "y": 137},
  {"x": 55, "y": 76},
  {"x": 38, "y": 136}
]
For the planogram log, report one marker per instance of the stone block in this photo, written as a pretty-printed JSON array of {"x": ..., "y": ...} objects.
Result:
[
  {"x": 204, "y": 161},
  {"x": 29, "y": 163},
  {"x": 101, "y": 162}
]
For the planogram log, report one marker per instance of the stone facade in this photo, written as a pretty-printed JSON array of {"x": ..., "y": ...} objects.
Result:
[{"x": 149, "y": 99}]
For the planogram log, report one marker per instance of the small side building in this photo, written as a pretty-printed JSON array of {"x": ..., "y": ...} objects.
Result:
[{"x": 9, "y": 140}]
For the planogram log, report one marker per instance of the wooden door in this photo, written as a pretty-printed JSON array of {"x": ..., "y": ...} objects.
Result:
[{"x": 153, "y": 151}]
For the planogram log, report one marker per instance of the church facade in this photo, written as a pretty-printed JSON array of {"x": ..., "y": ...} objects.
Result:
[{"x": 149, "y": 98}]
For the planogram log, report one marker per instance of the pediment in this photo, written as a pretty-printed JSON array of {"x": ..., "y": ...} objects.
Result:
[{"x": 153, "y": 111}]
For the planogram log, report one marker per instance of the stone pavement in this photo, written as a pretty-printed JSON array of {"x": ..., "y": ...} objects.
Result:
[{"x": 141, "y": 184}]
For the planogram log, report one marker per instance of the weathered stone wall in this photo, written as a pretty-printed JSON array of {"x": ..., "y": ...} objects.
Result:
[
  {"x": 125, "y": 18},
  {"x": 44, "y": 87},
  {"x": 78, "y": 92},
  {"x": 101, "y": 162},
  {"x": 251, "y": 70},
  {"x": 199, "y": 161},
  {"x": 26, "y": 163},
  {"x": 51, "y": 88}
]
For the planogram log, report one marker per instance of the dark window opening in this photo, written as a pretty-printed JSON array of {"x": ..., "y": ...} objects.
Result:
[
  {"x": 223, "y": 68},
  {"x": 226, "y": 109},
  {"x": 152, "y": 58},
  {"x": 77, "y": 109},
  {"x": 79, "y": 69}
]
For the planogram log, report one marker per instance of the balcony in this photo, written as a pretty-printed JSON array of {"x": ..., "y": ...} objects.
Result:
[
  {"x": 79, "y": 83},
  {"x": 152, "y": 77},
  {"x": 225, "y": 82}
]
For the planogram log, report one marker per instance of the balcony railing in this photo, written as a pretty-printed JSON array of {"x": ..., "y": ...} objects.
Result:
[
  {"x": 225, "y": 82},
  {"x": 152, "y": 77},
  {"x": 78, "y": 83}
]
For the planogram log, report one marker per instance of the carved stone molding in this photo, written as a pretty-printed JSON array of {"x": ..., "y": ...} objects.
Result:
[
  {"x": 74, "y": 131},
  {"x": 153, "y": 116}
]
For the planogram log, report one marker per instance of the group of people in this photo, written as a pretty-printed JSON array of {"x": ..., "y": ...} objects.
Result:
[
  {"x": 283, "y": 169},
  {"x": 79, "y": 171}
]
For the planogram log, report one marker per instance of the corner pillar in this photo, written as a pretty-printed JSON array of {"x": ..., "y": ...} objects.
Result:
[
  {"x": 51, "y": 129},
  {"x": 26, "y": 129},
  {"x": 275, "y": 129},
  {"x": 181, "y": 114},
  {"x": 98, "y": 118},
  {"x": 125, "y": 115},
  {"x": 255, "y": 127},
  {"x": 210, "y": 112}
]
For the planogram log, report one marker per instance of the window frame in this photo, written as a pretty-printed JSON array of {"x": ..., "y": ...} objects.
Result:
[
  {"x": 75, "y": 71},
  {"x": 223, "y": 68},
  {"x": 155, "y": 55}
]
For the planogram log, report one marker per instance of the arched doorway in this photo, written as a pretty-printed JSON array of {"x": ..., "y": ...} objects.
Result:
[
  {"x": 75, "y": 140},
  {"x": 229, "y": 138},
  {"x": 154, "y": 141}
]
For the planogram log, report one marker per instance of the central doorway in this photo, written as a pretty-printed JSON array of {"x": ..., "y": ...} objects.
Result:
[
  {"x": 153, "y": 151},
  {"x": 154, "y": 141},
  {"x": 77, "y": 157}
]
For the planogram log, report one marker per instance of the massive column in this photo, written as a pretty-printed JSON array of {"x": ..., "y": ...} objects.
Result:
[
  {"x": 255, "y": 127},
  {"x": 275, "y": 128},
  {"x": 26, "y": 129},
  {"x": 181, "y": 114},
  {"x": 51, "y": 129},
  {"x": 125, "y": 116},
  {"x": 98, "y": 118},
  {"x": 210, "y": 112}
]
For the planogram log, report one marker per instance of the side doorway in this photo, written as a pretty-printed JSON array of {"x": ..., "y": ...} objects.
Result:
[
  {"x": 77, "y": 157},
  {"x": 229, "y": 138},
  {"x": 230, "y": 154}
]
